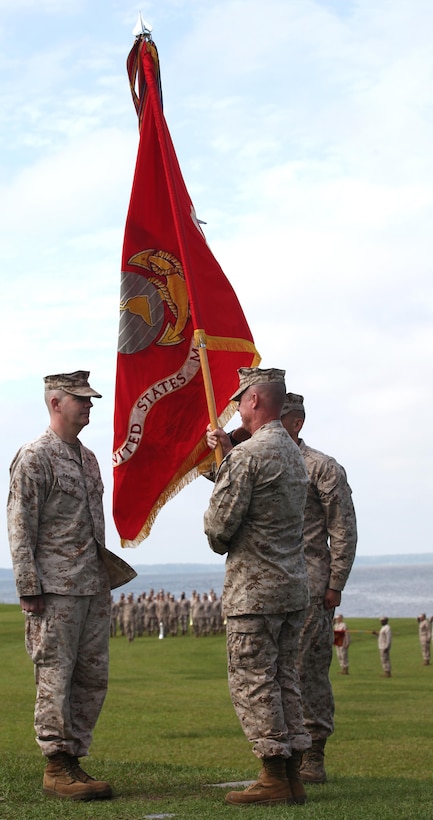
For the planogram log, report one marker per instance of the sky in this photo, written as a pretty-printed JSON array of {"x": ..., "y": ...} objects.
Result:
[{"x": 304, "y": 131}]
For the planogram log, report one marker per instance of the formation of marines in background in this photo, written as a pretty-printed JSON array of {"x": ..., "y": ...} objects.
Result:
[{"x": 161, "y": 614}]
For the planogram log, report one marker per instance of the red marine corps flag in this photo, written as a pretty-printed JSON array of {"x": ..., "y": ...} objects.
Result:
[{"x": 180, "y": 322}]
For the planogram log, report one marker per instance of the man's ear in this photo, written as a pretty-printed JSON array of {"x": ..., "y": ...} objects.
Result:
[
  {"x": 54, "y": 404},
  {"x": 254, "y": 397}
]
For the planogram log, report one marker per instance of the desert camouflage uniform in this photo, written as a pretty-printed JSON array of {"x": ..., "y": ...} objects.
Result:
[
  {"x": 329, "y": 543},
  {"x": 193, "y": 605},
  {"x": 206, "y": 614},
  {"x": 141, "y": 608},
  {"x": 120, "y": 609},
  {"x": 424, "y": 630},
  {"x": 197, "y": 614},
  {"x": 255, "y": 515},
  {"x": 184, "y": 610},
  {"x": 56, "y": 524},
  {"x": 162, "y": 611},
  {"x": 113, "y": 622},
  {"x": 216, "y": 615},
  {"x": 384, "y": 642},
  {"x": 150, "y": 621},
  {"x": 173, "y": 615},
  {"x": 130, "y": 617}
]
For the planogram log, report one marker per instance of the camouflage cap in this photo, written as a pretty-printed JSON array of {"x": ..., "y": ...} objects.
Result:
[
  {"x": 293, "y": 401},
  {"x": 256, "y": 375},
  {"x": 74, "y": 383}
]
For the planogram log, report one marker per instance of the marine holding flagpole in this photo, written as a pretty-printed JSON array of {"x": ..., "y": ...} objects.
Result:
[{"x": 255, "y": 517}]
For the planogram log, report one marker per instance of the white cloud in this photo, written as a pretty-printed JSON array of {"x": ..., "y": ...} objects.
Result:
[{"x": 75, "y": 186}]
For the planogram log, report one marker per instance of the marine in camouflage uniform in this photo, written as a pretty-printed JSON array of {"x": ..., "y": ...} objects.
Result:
[
  {"x": 113, "y": 623},
  {"x": 130, "y": 617},
  {"x": 330, "y": 537},
  {"x": 384, "y": 642},
  {"x": 141, "y": 609},
  {"x": 342, "y": 643},
  {"x": 424, "y": 629},
  {"x": 162, "y": 611},
  {"x": 255, "y": 515},
  {"x": 196, "y": 609},
  {"x": 216, "y": 614},
  {"x": 173, "y": 615},
  {"x": 120, "y": 610},
  {"x": 56, "y": 535},
  {"x": 206, "y": 614},
  {"x": 150, "y": 620},
  {"x": 184, "y": 610}
]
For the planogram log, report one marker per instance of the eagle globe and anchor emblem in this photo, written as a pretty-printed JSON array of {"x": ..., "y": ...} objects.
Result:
[{"x": 142, "y": 300}]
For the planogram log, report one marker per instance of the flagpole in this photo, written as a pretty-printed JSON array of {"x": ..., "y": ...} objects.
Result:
[
  {"x": 200, "y": 340},
  {"x": 199, "y": 334}
]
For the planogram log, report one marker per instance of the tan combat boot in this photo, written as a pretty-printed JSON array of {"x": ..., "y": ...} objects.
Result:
[
  {"x": 313, "y": 763},
  {"x": 101, "y": 788},
  {"x": 60, "y": 781},
  {"x": 271, "y": 788},
  {"x": 292, "y": 770}
]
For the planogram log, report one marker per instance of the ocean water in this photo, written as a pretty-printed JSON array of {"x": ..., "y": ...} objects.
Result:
[{"x": 399, "y": 589}]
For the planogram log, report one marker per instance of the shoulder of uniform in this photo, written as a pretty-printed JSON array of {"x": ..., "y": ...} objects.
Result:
[
  {"x": 322, "y": 460},
  {"x": 31, "y": 449},
  {"x": 317, "y": 455}
]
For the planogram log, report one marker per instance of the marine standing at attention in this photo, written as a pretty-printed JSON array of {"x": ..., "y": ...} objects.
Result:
[
  {"x": 342, "y": 643},
  {"x": 424, "y": 631},
  {"x": 330, "y": 537},
  {"x": 56, "y": 536},
  {"x": 384, "y": 641}
]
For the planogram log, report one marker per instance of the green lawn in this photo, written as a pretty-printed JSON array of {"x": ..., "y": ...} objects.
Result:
[{"x": 168, "y": 730}]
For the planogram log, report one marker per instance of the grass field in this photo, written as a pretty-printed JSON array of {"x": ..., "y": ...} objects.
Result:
[{"x": 168, "y": 731}]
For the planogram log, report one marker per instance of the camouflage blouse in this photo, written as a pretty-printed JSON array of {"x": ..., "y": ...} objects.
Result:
[
  {"x": 330, "y": 533},
  {"x": 255, "y": 515},
  {"x": 56, "y": 518}
]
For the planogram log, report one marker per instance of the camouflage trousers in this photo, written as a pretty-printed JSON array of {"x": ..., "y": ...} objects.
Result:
[
  {"x": 425, "y": 649},
  {"x": 129, "y": 628},
  {"x": 68, "y": 645},
  {"x": 385, "y": 659},
  {"x": 343, "y": 656},
  {"x": 314, "y": 660},
  {"x": 263, "y": 681}
]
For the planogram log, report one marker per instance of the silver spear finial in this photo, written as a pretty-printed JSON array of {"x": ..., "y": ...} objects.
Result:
[{"x": 141, "y": 28}]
